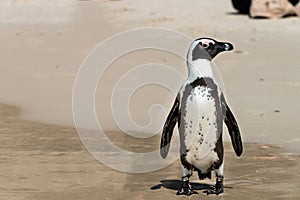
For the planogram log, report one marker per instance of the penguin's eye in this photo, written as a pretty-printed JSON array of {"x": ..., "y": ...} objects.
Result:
[{"x": 205, "y": 45}]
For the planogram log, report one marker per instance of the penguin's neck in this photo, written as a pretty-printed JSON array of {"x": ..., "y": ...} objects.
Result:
[{"x": 199, "y": 68}]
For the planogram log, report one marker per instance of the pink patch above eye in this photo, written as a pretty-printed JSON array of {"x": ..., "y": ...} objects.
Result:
[{"x": 206, "y": 43}]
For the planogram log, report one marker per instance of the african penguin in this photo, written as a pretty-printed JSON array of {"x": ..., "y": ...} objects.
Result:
[{"x": 200, "y": 109}]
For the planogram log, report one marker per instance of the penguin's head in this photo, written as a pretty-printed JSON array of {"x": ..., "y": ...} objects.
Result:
[{"x": 207, "y": 48}]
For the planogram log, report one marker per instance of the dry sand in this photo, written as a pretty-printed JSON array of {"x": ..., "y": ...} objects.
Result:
[{"x": 40, "y": 58}]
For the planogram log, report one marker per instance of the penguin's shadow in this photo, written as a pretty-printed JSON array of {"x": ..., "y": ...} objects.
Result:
[
  {"x": 176, "y": 185},
  {"x": 235, "y": 13}
]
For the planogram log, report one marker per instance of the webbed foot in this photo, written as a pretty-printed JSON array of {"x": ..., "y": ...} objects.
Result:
[
  {"x": 216, "y": 189},
  {"x": 186, "y": 189}
]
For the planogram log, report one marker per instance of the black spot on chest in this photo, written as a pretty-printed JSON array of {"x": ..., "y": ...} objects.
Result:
[{"x": 204, "y": 82}]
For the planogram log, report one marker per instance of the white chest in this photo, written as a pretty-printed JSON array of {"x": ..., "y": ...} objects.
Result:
[{"x": 200, "y": 132}]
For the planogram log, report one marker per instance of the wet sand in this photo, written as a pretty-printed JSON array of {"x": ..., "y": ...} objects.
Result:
[{"x": 40, "y": 161}]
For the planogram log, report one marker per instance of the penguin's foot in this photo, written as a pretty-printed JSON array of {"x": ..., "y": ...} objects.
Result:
[
  {"x": 217, "y": 189},
  {"x": 186, "y": 189}
]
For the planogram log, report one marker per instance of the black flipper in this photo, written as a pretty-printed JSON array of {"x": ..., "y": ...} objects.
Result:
[
  {"x": 168, "y": 129},
  {"x": 233, "y": 130}
]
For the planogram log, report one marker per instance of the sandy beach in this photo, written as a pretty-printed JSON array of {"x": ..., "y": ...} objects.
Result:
[
  {"x": 40, "y": 161},
  {"x": 45, "y": 43}
]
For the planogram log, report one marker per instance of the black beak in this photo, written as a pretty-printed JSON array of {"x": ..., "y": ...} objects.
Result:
[{"x": 227, "y": 46}]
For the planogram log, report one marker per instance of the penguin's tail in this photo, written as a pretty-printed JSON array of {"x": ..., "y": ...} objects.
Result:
[{"x": 202, "y": 176}]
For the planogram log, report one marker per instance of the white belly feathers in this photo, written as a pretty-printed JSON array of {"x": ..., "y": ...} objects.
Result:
[{"x": 200, "y": 128}]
